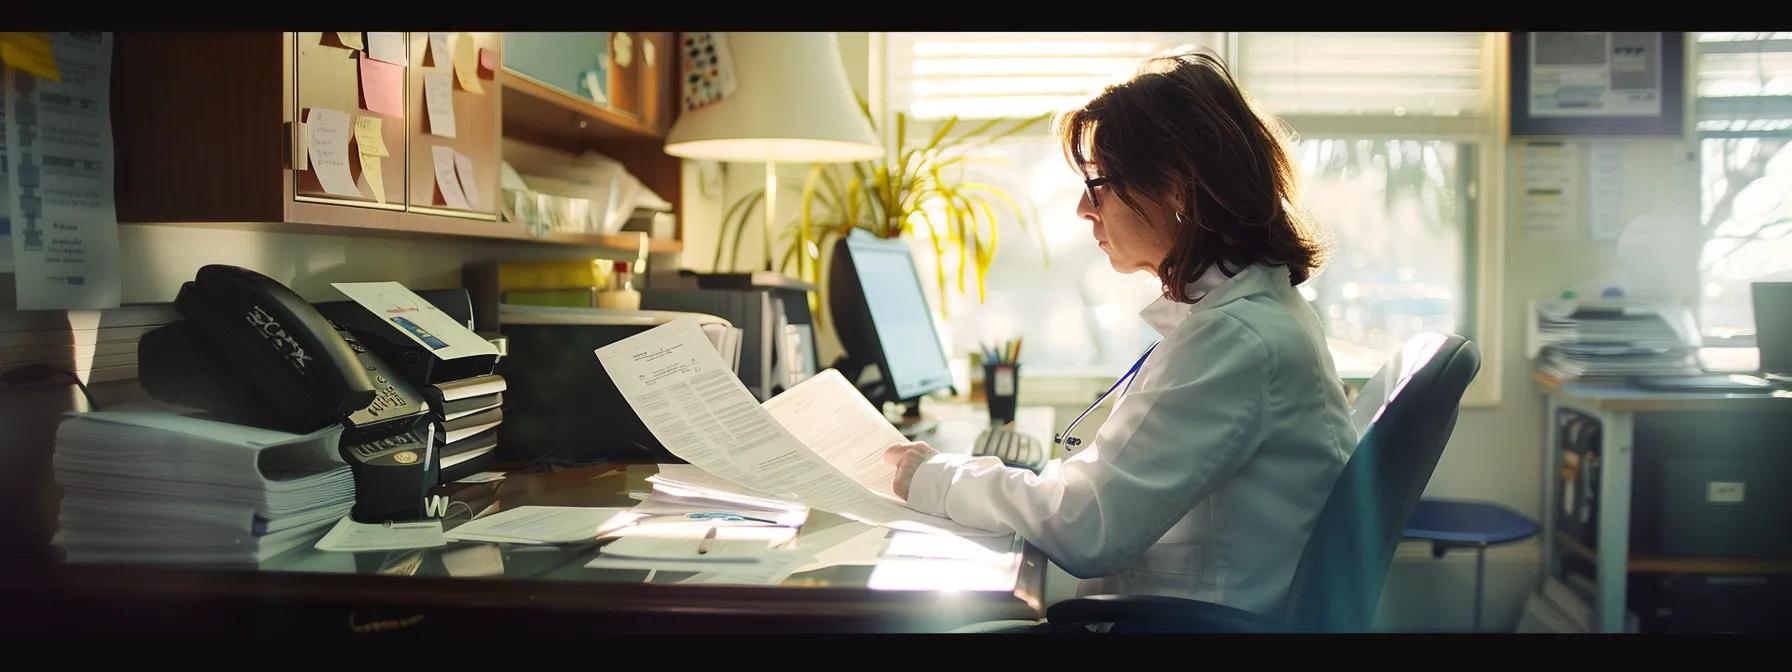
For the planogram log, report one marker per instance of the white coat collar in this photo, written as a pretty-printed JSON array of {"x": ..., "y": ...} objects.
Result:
[{"x": 1210, "y": 291}]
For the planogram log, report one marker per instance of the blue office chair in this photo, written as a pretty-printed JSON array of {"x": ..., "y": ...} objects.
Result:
[
  {"x": 1403, "y": 416},
  {"x": 1450, "y": 524}
]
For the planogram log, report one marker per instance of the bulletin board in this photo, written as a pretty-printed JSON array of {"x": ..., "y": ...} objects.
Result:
[
  {"x": 477, "y": 125},
  {"x": 1598, "y": 84},
  {"x": 328, "y": 75}
]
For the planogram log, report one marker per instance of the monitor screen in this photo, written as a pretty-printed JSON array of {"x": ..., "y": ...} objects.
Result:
[
  {"x": 916, "y": 363},
  {"x": 1773, "y": 325}
]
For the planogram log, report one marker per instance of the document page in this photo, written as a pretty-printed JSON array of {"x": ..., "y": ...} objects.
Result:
[{"x": 676, "y": 382}]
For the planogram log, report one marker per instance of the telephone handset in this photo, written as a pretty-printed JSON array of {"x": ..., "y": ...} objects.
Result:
[{"x": 252, "y": 350}]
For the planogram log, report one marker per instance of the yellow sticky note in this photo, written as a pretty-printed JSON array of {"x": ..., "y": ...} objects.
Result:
[
  {"x": 466, "y": 63},
  {"x": 369, "y": 136},
  {"x": 370, "y": 168},
  {"x": 351, "y": 40},
  {"x": 30, "y": 52}
]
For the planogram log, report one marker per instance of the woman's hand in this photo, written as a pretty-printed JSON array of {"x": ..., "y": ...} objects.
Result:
[{"x": 907, "y": 457}]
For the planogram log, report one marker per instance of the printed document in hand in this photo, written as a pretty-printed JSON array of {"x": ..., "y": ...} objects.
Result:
[{"x": 819, "y": 443}]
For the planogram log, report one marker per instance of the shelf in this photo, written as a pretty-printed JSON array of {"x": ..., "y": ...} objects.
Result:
[
  {"x": 537, "y": 112},
  {"x": 390, "y": 224},
  {"x": 1612, "y": 396},
  {"x": 1662, "y": 564}
]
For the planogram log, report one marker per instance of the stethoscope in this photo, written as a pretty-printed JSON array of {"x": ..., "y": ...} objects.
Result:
[{"x": 1064, "y": 438}]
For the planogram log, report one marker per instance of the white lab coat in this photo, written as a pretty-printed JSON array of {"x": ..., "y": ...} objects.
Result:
[{"x": 1207, "y": 476}]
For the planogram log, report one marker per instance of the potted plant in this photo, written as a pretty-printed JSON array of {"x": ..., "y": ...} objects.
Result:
[{"x": 921, "y": 186}]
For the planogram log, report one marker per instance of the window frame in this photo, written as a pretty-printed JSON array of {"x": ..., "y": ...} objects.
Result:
[{"x": 1483, "y": 137}]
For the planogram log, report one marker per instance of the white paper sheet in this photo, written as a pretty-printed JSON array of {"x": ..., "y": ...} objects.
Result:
[
  {"x": 349, "y": 535},
  {"x": 328, "y": 145},
  {"x": 63, "y": 225},
  {"x": 446, "y": 180},
  {"x": 537, "y": 525},
  {"x": 686, "y": 395},
  {"x": 417, "y": 318},
  {"x": 438, "y": 102},
  {"x": 388, "y": 47}
]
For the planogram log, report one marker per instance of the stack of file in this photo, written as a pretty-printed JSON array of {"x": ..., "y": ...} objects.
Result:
[
  {"x": 468, "y": 411},
  {"x": 1611, "y": 340},
  {"x": 147, "y": 483}
]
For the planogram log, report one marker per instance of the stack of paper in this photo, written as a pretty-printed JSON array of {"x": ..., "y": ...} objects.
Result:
[
  {"x": 1579, "y": 340},
  {"x": 820, "y": 443},
  {"x": 146, "y": 483}
]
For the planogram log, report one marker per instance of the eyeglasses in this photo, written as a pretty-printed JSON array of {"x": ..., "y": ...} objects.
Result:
[{"x": 1090, "y": 184}]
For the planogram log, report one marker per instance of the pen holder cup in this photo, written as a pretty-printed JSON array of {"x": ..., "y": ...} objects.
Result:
[{"x": 1001, "y": 387}]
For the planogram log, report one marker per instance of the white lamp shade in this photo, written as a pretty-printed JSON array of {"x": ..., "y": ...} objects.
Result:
[{"x": 792, "y": 103}]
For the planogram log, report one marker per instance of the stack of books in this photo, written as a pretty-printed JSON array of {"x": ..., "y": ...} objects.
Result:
[
  {"x": 151, "y": 483},
  {"x": 1590, "y": 341},
  {"x": 468, "y": 412}
]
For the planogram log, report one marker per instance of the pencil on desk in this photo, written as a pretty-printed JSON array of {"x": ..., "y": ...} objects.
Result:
[{"x": 703, "y": 546}]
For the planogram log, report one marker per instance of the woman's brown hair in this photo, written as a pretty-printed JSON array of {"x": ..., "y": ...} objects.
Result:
[{"x": 1182, "y": 130}]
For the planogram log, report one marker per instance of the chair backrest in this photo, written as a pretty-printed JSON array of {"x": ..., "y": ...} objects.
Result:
[{"x": 1403, "y": 419}]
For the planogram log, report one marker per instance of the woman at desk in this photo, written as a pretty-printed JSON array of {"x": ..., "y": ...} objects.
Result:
[{"x": 1206, "y": 478}]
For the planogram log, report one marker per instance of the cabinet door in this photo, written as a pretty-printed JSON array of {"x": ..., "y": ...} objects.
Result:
[
  {"x": 477, "y": 126},
  {"x": 328, "y": 75},
  {"x": 570, "y": 62}
]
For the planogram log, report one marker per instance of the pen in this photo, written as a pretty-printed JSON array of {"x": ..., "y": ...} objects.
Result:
[{"x": 703, "y": 546}]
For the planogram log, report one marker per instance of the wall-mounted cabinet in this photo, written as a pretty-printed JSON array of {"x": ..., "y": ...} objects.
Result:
[{"x": 214, "y": 129}]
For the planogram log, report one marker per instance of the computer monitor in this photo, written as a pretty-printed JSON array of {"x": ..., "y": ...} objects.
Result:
[
  {"x": 1773, "y": 327},
  {"x": 882, "y": 318}
]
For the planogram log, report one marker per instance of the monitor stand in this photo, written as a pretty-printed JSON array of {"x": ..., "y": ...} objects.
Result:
[{"x": 912, "y": 425}]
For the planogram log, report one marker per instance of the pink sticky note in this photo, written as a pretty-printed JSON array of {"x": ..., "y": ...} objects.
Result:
[
  {"x": 488, "y": 62},
  {"x": 382, "y": 86}
]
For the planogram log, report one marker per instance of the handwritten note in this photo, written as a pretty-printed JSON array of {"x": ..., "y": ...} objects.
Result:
[
  {"x": 445, "y": 179},
  {"x": 438, "y": 100},
  {"x": 439, "y": 55},
  {"x": 468, "y": 186},
  {"x": 388, "y": 47},
  {"x": 376, "y": 178},
  {"x": 30, "y": 52},
  {"x": 351, "y": 40},
  {"x": 329, "y": 151},
  {"x": 382, "y": 86},
  {"x": 370, "y": 136},
  {"x": 466, "y": 64}
]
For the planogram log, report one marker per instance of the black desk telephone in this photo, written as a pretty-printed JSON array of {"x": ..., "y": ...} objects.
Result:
[{"x": 253, "y": 351}]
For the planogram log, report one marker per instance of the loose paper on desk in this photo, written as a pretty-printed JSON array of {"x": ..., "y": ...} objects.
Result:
[
  {"x": 382, "y": 86},
  {"x": 390, "y": 301},
  {"x": 351, "y": 40},
  {"x": 30, "y": 52},
  {"x": 439, "y": 54},
  {"x": 438, "y": 100},
  {"x": 446, "y": 180},
  {"x": 466, "y": 63},
  {"x": 469, "y": 187},
  {"x": 349, "y": 535},
  {"x": 63, "y": 225},
  {"x": 692, "y": 402},
  {"x": 329, "y": 150},
  {"x": 388, "y": 47},
  {"x": 538, "y": 525}
]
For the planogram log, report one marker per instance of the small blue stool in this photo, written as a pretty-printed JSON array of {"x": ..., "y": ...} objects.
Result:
[{"x": 1451, "y": 524}]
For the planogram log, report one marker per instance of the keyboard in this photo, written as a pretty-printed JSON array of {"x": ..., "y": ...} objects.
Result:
[{"x": 1015, "y": 449}]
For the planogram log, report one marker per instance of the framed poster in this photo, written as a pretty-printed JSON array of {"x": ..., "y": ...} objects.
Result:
[{"x": 1594, "y": 83}]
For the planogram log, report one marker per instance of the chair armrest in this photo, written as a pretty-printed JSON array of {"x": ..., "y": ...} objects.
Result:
[{"x": 1156, "y": 613}]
